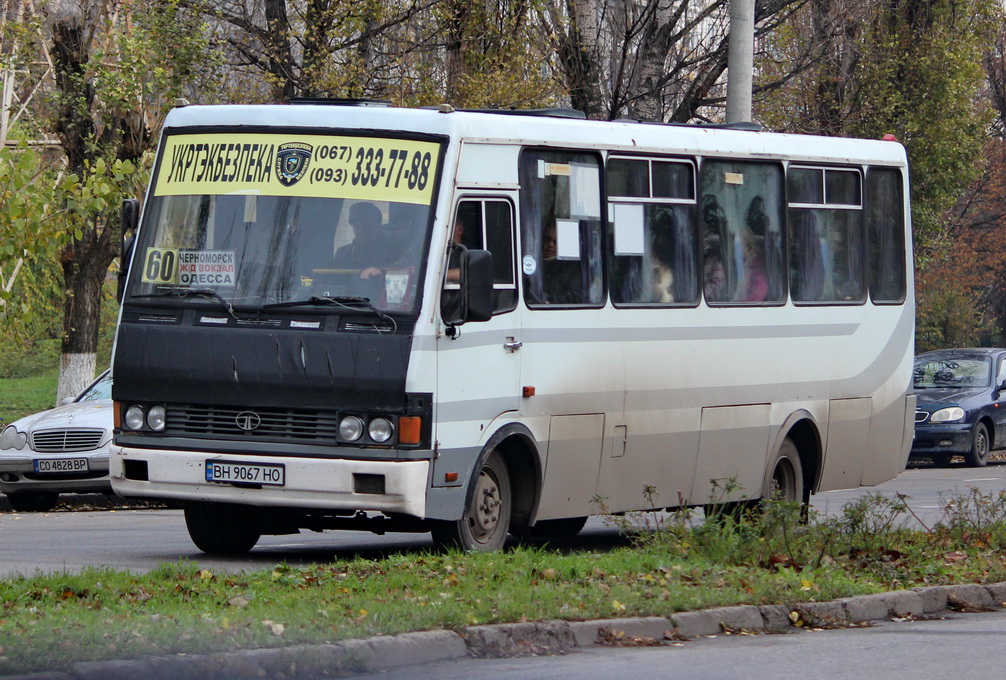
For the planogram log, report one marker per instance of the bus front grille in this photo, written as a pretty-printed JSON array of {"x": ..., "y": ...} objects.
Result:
[{"x": 256, "y": 423}]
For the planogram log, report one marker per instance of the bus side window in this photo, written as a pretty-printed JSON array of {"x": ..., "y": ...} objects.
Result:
[
  {"x": 885, "y": 217},
  {"x": 483, "y": 224},
  {"x": 742, "y": 216},
  {"x": 827, "y": 245},
  {"x": 654, "y": 244},
  {"x": 499, "y": 240},
  {"x": 560, "y": 202}
]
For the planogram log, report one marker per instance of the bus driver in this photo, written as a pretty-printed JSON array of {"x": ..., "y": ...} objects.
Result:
[{"x": 371, "y": 248}]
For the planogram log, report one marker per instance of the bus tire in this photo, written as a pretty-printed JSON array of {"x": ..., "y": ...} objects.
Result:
[
  {"x": 486, "y": 521},
  {"x": 221, "y": 528},
  {"x": 785, "y": 475}
]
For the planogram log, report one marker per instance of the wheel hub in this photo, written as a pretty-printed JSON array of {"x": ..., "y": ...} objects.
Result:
[{"x": 486, "y": 505}]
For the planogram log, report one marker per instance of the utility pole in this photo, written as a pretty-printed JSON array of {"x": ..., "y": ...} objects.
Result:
[{"x": 740, "y": 61}]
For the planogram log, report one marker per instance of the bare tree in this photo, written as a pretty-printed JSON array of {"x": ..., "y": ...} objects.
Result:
[
  {"x": 655, "y": 60},
  {"x": 310, "y": 47}
]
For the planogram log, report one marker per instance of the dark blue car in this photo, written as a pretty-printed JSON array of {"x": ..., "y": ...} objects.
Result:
[{"x": 961, "y": 404}]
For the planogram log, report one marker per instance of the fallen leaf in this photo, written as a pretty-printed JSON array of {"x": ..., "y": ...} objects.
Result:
[{"x": 276, "y": 629}]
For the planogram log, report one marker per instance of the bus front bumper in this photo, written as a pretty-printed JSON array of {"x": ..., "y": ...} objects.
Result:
[{"x": 308, "y": 483}]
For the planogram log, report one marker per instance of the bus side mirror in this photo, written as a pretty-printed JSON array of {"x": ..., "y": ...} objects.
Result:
[
  {"x": 129, "y": 217},
  {"x": 477, "y": 285}
]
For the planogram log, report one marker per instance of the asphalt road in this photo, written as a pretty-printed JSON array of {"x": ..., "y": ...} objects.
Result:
[
  {"x": 961, "y": 646},
  {"x": 140, "y": 540}
]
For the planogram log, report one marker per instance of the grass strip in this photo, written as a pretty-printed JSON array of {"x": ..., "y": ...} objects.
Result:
[
  {"x": 49, "y": 621},
  {"x": 20, "y": 397}
]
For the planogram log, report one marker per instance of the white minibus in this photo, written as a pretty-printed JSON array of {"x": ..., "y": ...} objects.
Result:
[{"x": 490, "y": 323}]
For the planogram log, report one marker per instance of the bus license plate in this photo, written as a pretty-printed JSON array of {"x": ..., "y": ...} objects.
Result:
[
  {"x": 245, "y": 473},
  {"x": 58, "y": 465}
]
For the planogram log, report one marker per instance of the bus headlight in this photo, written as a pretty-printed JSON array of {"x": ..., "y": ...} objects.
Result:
[
  {"x": 947, "y": 415},
  {"x": 134, "y": 417},
  {"x": 380, "y": 430},
  {"x": 155, "y": 418},
  {"x": 10, "y": 438},
  {"x": 351, "y": 428}
]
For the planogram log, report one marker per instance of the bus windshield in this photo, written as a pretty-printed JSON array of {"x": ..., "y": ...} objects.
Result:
[{"x": 262, "y": 220}]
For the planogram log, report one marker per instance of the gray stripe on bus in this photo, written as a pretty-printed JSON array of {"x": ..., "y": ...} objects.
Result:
[{"x": 471, "y": 338}]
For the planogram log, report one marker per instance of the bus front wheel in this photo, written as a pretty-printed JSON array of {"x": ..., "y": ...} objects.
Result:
[
  {"x": 785, "y": 478},
  {"x": 221, "y": 528},
  {"x": 486, "y": 520}
]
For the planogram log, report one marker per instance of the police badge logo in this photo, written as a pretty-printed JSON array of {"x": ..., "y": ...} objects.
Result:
[{"x": 292, "y": 160}]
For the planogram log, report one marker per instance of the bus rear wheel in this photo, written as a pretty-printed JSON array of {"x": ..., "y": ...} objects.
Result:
[
  {"x": 486, "y": 521},
  {"x": 221, "y": 528},
  {"x": 785, "y": 479}
]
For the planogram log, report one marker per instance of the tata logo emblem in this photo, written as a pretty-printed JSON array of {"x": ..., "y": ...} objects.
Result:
[
  {"x": 248, "y": 421},
  {"x": 292, "y": 160}
]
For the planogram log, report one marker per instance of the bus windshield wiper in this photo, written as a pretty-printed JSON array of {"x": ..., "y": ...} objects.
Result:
[
  {"x": 194, "y": 292},
  {"x": 348, "y": 301}
]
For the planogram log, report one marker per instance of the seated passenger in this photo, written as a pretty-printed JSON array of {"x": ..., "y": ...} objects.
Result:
[
  {"x": 662, "y": 233},
  {"x": 714, "y": 277},
  {"x": 371, "y": 250}
]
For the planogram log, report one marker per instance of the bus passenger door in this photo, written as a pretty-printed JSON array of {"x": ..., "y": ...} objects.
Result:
[{"x": 478, "y": 363}]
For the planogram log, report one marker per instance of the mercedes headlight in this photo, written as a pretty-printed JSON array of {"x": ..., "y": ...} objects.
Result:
[{"x": 10, "y": 438}]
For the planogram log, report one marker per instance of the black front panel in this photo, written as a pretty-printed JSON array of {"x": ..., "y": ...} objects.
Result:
[{"x": 284, "y": 370}]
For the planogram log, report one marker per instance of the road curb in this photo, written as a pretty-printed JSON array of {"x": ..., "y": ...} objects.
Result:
[{"x": 534, "y": 638}]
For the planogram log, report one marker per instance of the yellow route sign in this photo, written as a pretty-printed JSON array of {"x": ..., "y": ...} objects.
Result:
[{"x": 321, "y": 166}]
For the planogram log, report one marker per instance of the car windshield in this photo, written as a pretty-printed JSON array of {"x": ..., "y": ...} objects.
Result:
[
  {"x": 244, "y": 221},
  {"x": 101, "y": 389},
  {"x": 952, "y": 371}
]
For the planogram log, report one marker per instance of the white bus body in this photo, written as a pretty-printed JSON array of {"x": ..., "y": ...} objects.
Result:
[{"x": 703, "y": 388}]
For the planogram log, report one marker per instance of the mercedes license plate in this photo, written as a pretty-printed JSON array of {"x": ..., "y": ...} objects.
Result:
[
  {"x": 57, "y": 465},
  {"x": 245, "y": 473}
]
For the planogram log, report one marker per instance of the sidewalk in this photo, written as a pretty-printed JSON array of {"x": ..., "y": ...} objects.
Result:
[{"x": 535, "y": 638}]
